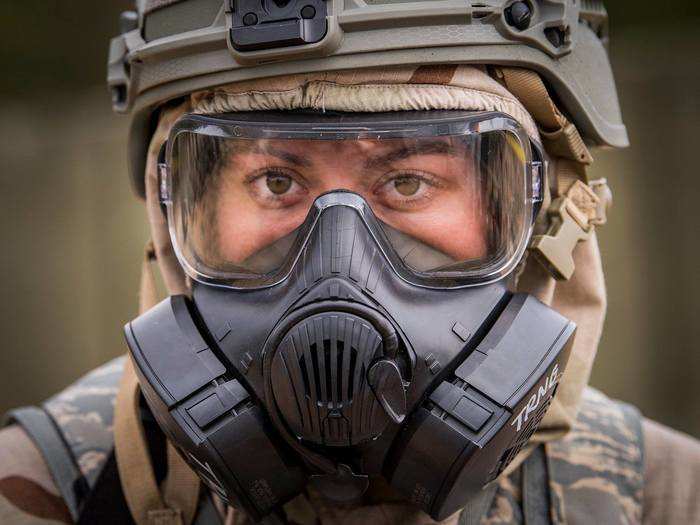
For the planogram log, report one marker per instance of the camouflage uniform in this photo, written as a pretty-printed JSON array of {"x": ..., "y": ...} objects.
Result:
[{"x": 613, "y": 467}]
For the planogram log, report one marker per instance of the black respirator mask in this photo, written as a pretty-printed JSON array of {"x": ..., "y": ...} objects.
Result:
[{"x": 350, "y": 313}]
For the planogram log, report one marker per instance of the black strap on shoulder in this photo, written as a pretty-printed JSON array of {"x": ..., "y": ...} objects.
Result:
[
  {"x": 535, "y": 495},
  {"x": 478, "y": 506},
  {"x": 43, "y": 431},
  {"x": 106, "y": 503},
  {"x": 207, "y": 513},
  {"x": 536, "y": 505}
]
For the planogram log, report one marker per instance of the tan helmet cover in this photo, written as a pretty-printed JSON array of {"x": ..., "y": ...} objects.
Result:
[{"x": 581, "y": 298}]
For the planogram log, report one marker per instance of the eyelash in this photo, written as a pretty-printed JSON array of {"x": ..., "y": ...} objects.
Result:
[
  {"x": 427, "y": 178},
  {"x": 274, "y": 170}
]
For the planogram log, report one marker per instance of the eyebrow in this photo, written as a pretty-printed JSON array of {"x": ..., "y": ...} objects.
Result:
[
  {"x": 266, "y": 149},
  {"x": 433, "y": 147}
]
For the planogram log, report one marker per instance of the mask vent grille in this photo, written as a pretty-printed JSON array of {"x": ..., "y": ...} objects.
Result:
[
  {"x": 332, "y": 363},
  {"x": 319, "y": 379}
]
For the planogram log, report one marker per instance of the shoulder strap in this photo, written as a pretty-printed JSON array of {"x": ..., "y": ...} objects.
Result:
[
  {"x": 207, "y": 514},
  {"x": 478, "y": 506},
  {"x": 106, "y": 504},
  {"x": 56, "y": 452},
  {"x": 522, "y": 497},
  {"x": 596, "y": 471},
  {"x": 536, "y": 506}
]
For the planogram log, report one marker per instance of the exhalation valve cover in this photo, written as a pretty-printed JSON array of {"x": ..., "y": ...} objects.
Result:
[{"x": 319, "y": 379}]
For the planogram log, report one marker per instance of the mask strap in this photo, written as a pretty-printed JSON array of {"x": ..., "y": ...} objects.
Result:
[
  {"x": 177, "y": 503},
  {"x": 578, "y": 205}
]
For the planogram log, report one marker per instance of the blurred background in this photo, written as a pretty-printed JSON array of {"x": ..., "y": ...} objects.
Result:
[{"x": 73, "y": 233}]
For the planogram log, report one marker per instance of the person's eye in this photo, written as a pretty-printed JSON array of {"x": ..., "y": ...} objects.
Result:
[
  {"x": 279, "y": 184},
  {"x": 407, "y": 186},
  {"x": 405, "y": 189},
  {"x": 275, "y": 187}
]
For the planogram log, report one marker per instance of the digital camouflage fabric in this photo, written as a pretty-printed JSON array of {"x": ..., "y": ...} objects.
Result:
[
  {"x": 84, "y": 412},
  {"x": 596, "y": 470},
  {"x": 28, "y": 494}
]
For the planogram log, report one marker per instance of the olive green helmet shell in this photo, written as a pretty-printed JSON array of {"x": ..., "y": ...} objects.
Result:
[{"x": 170, "y": 48}]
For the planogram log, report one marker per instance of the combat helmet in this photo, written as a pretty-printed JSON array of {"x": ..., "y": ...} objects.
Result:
[{"x": 170, "y": 48}]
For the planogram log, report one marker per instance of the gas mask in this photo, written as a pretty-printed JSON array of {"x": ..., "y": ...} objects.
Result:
[{"x": 351, "y": 312}]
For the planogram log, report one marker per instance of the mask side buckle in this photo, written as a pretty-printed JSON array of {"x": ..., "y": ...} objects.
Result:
[{"x": 573, "y": 217}]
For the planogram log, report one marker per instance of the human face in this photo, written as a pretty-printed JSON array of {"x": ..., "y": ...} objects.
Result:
[{"x": 425, "y": 189}]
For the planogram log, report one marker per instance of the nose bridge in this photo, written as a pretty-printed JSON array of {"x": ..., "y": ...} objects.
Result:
[{"x": 341, "y": 245}]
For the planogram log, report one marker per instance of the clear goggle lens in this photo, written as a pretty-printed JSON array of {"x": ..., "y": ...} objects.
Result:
[{"x": 452, "y": 192}]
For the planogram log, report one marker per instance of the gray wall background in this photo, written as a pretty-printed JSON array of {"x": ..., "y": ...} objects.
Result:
[{"x": 72, "y": 233}]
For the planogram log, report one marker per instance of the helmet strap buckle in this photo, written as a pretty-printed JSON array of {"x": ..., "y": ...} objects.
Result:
[{"x": 573, "y": 218}]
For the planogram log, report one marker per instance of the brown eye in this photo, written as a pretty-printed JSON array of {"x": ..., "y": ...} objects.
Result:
[
  {"x": 407, "y": 186},
  {"x": 278, "y": 184}
]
